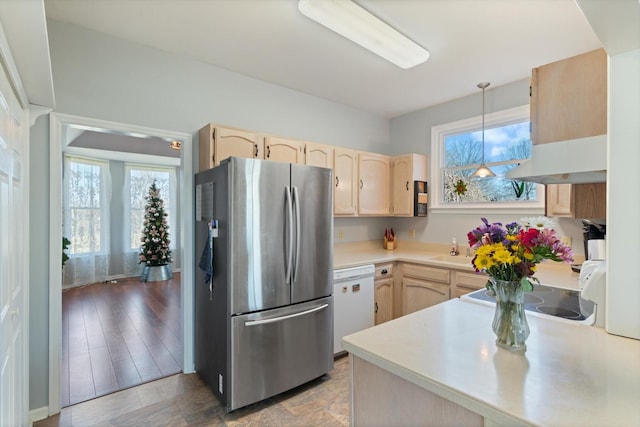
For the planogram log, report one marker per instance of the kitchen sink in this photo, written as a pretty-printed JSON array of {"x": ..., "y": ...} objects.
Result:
[{"x": 460, "y": 259}]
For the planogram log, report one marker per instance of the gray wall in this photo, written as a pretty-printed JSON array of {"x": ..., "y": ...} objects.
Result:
[
  {"x": 39, "y": 271},
  {"x": 103, "y": 77},
  {"x": 412, "y": 133}
]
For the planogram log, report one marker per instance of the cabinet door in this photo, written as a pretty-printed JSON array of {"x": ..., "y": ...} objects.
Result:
[
  {"x": 319, "y": 155},
  {"x": 345, "y": 176},
  {"x": 590, "y": 200},
  {"x": 569, "y": 98},
  {"x": 384, "y": 300},
  {"x": 419, "y": 294},
  {"x": 217, "y": 143},
  {"x": 468, "y": 282},
  {"x": 374, "y": 176},
  {"x": 402, "y": 186},
  {"x": 559, "y": 200},
  {"x": 577, "y": 200},
  {"x": 283, "y": 150}
]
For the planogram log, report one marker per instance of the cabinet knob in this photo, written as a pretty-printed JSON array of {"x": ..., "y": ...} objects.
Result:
[
  {"x": 268, "y": 151},
  {"x": 384, "y": 271},
  {"x": 361, "y": 184},
  {"x": 255, "y": 154},
  {"x": 376, "y": 307},
  {"x": 337, "y": 181},
  {"x": 407, "y": 185}
]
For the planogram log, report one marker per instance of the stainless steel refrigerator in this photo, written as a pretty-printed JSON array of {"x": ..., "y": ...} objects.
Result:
[{"x": 263, "y": 278}]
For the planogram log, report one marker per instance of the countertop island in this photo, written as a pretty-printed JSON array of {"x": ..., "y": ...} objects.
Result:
[{"x": 441, "y": 366}]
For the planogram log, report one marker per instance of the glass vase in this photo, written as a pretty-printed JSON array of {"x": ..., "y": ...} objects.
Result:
[{"x": 509, "y": 320}]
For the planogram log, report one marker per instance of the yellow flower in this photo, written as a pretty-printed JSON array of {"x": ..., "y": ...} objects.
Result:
[
  {"x": 503, "y": 256},
  {"x": 484, "y": 250},
  {"x": 483, "y": 262}
]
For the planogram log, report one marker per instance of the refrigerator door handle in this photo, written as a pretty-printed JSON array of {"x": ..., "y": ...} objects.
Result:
[
  {"x": 288, "y": 316},
  {"x": 287, "y": 193},
  {"x": 296, "y": 201}
]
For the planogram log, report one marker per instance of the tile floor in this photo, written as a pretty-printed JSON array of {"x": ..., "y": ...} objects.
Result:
[{"x": 184, "y": 400}]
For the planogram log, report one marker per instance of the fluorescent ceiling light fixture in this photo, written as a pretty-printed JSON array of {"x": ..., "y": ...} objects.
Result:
[{"x": 355, "y": 23}]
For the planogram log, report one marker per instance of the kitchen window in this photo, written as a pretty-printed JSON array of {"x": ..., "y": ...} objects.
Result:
[{"x": 456, "y": 152}]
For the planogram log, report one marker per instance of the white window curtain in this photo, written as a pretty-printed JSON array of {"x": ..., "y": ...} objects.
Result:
[
  {"x": 138, "y": 179},
  {"x": 86, "y": 193}
]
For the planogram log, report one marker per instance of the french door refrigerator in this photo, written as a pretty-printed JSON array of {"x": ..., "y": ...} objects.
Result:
[{"x": 263, "y": 278}]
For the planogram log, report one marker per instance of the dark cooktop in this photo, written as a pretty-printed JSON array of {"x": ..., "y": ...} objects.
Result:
[{"x": 557, "y": 302}]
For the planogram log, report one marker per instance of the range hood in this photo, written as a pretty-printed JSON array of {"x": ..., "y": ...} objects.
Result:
[{"x": 575, "y": 161}]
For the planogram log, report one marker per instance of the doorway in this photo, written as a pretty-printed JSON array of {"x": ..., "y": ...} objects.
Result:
[{"x": 61, "y": 126}]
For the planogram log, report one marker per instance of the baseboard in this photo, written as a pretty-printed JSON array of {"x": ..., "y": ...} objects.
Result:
[{"x": 38, "y": 414}]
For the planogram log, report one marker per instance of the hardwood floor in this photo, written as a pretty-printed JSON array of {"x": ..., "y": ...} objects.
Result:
[
  {"x": 184, "y": 400},
  {"x": 118, "y": 335}
]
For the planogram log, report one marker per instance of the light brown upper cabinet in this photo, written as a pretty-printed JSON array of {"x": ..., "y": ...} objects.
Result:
[
  {"x": 319, "y": 155},
  {"x": 374, "y": 184},
  {"x": 577, "y": 200},
  {"x": 406, "y": 170},
  {"x": 283, "y": 150},
  {"x": 216, "y": 143},
  {"x": 345, "y": 174},
  {"x": 569, "y": 98},
  {"x": 569, "y": 101}
]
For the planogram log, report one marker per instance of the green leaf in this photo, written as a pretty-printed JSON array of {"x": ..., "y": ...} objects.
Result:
[{"x": 527, "y": 286}]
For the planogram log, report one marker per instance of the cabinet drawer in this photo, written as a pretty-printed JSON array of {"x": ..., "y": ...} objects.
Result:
[
  {"x": 384, "y": 270},
  {"x": 427, "y": 273},
  {"x": 471, "y": 280}
]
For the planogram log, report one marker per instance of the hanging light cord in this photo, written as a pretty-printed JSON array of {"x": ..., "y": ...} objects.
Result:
[{"x": 483, "y": 86}]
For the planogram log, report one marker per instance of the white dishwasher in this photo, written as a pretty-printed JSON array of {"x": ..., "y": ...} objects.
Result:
[{"x": 353, "y": 302}]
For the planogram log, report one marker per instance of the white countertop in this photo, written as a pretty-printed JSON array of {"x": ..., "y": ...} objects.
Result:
[
  {"x": 371, "y": 252},
  {"x": 570, "y": 375}
]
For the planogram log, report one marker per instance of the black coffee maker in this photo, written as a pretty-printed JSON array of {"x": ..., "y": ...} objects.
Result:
[{"x": 592, "y": 231}]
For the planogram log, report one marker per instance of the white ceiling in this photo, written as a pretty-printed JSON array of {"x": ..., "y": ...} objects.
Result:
[{"x": 470, "y": 41}]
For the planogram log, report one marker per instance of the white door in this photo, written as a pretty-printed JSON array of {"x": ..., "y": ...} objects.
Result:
[{"x": 13, "y": 247}]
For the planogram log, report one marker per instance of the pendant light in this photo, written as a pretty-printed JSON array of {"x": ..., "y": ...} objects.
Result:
[{"x": 483, "y": 171}]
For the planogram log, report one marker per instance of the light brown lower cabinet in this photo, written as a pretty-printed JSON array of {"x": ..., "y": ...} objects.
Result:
[
  {"x": 468, "y": 282},
  {"x": 383, "y": 283},
  {"x": 423, "y": 286},
  {"x": 383, "y": 300}
]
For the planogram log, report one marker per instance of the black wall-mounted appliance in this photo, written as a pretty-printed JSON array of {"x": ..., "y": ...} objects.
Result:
[{"x": 420, "y": 198}]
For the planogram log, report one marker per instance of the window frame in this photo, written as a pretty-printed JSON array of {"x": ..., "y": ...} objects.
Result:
[
  {"x": 474, "y": 124},
  {"x": 105, "y": 195}
]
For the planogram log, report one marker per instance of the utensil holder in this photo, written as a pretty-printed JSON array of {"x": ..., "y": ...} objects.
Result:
[{"x": 389, "y": 244}]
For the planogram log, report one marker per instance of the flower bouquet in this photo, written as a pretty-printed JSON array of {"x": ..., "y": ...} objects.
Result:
[{"x": 509, "y": 256}]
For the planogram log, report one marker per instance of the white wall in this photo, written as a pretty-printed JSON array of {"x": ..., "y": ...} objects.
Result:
[{"x": 623, "y": 210}]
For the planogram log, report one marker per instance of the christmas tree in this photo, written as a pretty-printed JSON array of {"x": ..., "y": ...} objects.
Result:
[{"x": 155, "y": 234}]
